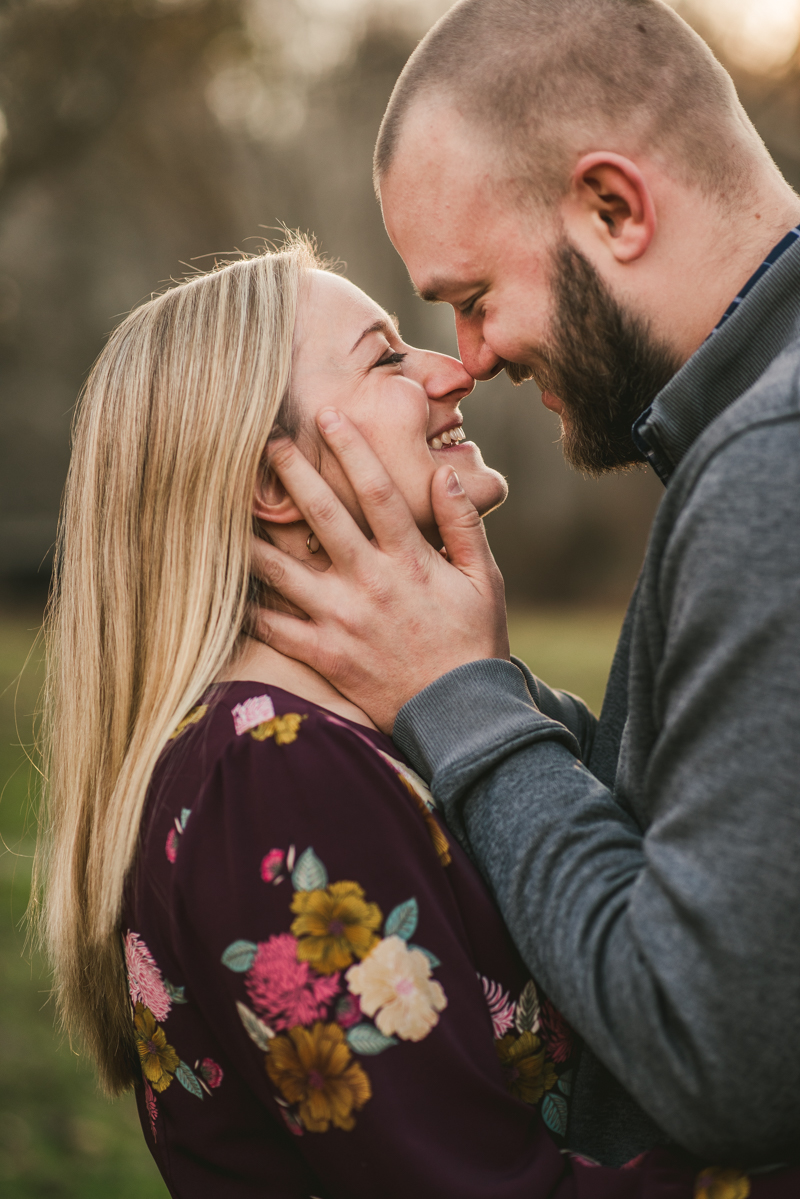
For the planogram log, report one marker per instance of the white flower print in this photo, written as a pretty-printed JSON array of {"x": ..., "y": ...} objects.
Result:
[{"x": 396, "y": 982}]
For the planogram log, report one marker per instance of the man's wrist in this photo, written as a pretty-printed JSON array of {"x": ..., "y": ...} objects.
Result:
[{"x": 464, "y": 720}]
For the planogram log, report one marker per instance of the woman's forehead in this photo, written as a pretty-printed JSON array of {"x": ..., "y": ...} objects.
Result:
[{"x": 336, "y": 305}]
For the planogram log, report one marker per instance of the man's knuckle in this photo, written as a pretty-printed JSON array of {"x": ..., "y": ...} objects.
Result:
[
  {"x": 375, "y": 593},
  {"x": 417, "y": 570},
  {"x": 469, "y": 518},
  {"x": 273, "y": 571},
  {"x": 281, "y": 452},
  {"x": 322, "y": 509},
  {"x": 378, "y": 490},
  {"x": 345, "y": 441}
]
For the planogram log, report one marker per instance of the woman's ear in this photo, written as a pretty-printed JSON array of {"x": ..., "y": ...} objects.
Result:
[{"x": 271, "y": 501}]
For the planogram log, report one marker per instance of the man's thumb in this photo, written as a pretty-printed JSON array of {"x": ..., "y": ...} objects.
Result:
[{"x": 460, "y": 525}]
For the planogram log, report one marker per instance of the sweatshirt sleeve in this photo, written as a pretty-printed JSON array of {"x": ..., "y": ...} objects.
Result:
[
  {"x": 673, "y": 951},
  {"x": 563, "y": 707},
  {"x": 318, "y": 932}
]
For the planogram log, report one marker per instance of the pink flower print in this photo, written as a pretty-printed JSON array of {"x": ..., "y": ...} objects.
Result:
[
  {"x": 284, "y": 990},
  {"x": 348, "y": 1011},
  {"x": 556, "y": 1033},
  {"x": 152, "y": 1110},
  {"x": 252, "y": 712},
  {"x": 174, "y": 834},
  {"x": 144, "y": 978},
  {"x": 271, "y": 865},
  {"x": 501, "y": 1007},
  {"x": 171, "y": 847},
  {"x": 291, "y": 1121},
  {"x": 211, "y": 1072}
]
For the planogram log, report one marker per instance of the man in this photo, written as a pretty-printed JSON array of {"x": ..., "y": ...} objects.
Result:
[{"x": 579, "y": 181}]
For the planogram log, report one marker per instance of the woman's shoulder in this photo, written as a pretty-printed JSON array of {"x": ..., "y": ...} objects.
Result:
[
  {"x": 250, "y": 723},
  {"x": 249, "y": 756},
  {"x": 315, "y": 911}
]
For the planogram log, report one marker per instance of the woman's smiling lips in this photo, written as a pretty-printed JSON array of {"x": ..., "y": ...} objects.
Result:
[{"x": 447, "y": 438}]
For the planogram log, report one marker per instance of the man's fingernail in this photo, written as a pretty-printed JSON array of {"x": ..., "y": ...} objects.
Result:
[
  {"x": 454, "y": 484},
  {"x": 328, "y": 420}
]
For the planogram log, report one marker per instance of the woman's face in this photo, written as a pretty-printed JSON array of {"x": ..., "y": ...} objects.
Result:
[{"x": 350, "y": 356}]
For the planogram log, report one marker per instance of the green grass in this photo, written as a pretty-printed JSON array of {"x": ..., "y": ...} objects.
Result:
[
  {"x": 58, "y": 1136},
  {"x": 568, "y": 649}
]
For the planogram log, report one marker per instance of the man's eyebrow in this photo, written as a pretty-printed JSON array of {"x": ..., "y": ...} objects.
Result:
[{"x": 384, "y": 325}]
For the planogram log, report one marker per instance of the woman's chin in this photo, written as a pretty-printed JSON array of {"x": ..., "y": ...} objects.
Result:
[
  {"x": 485, "y": 487},
  {"x": 486, "y": 493}
]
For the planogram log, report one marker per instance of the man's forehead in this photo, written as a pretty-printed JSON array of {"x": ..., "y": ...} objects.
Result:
[
  {"x": 432, "y": 125},
  {"x": 439, "y": 158}
]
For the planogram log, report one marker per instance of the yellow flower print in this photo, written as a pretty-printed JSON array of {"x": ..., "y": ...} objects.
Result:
[
  {"x": 527, "y": 1073},
  {"x": 282, "y": 728},
  {"x": 397, "y": 980},
  {"x": 190, "y": 718},
  {"x": 424, "y": 801},
  {"x": 159, "y": 1060},
  {"x": 313, "y": 1068},
  {"x": 334, "y": 926},
  {"x": 715, "y": 1183}
]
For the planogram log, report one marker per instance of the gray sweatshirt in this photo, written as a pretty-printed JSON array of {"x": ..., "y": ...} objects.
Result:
[{"x": 646, "y": 863}]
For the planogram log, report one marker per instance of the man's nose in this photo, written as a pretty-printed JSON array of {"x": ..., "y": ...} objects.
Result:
[{"x": 479, "y": 358}]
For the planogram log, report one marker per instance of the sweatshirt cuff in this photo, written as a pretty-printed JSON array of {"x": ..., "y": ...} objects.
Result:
[{"x": 469, "y": 720}]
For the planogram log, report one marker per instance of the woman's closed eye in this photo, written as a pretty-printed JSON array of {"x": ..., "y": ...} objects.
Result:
[{"x": 392, "y": 359}]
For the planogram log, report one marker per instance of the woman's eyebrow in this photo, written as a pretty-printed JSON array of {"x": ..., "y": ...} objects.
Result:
[{"x": 384, "y": 325}]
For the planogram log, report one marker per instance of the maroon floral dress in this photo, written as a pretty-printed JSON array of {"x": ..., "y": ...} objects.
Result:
[{"x": 326, "y": 1002}]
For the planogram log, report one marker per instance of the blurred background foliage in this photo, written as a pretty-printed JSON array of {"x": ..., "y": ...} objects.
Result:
[
  {"x": 142, "y": 139},
  {"x": 139, "y": 139}
]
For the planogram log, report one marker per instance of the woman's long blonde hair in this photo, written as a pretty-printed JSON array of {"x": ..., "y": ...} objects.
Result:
[{"x": 150, "y": 594}]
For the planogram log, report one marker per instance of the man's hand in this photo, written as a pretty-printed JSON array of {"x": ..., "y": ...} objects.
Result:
[{"x": 391, "y": 615}]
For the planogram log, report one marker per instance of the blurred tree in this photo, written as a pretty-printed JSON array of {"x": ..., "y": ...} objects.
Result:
[
  {"x": 139, "y": 138},
  {"x": 113, "y": 170}
]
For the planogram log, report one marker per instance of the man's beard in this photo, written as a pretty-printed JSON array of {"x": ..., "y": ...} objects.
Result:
[{"x": 603, "y": 363}]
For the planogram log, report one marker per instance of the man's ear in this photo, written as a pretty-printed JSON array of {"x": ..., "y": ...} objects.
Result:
[
  {"x": 610, "y": 193},
  {"x": 271, "y": 500}
]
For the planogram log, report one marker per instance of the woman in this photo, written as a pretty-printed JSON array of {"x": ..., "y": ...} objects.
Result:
[{"x": 253, "y": 914}]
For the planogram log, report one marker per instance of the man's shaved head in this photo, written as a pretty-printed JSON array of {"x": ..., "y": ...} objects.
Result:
[{"x": 548, "y": 80}]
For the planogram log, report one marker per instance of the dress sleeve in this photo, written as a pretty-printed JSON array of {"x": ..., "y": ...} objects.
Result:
[{"x": 318, "y": 932}]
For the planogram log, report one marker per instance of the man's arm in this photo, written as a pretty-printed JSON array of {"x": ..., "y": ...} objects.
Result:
[
  {"x": 391, "y": 615},
  {"x": 675, "y": 953},
  {"x": 563, "y": 707}
]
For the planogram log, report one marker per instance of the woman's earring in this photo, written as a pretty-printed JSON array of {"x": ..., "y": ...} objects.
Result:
[{"x": 312, "y": 544}]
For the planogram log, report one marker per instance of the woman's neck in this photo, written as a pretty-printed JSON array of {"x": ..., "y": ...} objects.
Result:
[{"x": 258, "y": 663}]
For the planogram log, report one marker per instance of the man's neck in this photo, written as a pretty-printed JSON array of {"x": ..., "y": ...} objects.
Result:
[
  {"x": 725, "y": 249},
  {"x": 762, "y": 226}
]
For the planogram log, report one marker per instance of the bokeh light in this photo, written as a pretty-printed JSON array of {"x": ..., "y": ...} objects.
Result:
[{"x": 760, "y": 35}]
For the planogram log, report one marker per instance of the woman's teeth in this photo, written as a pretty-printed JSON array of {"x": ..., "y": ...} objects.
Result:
[{"x": 452, "y": 437}]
